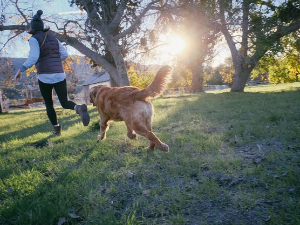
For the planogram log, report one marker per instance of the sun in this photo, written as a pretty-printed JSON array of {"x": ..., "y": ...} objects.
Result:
[
  {"x": 167, "y": 51},
  {"x": 173, "y": 45}
]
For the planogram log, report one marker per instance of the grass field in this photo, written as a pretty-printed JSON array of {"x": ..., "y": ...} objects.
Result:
[{"x": 234, "y": 159}]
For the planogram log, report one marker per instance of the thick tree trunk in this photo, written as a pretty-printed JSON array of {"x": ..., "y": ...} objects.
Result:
[
  {"x": 197, "y": 79},
  {"x": 241, "y": 75},
  {"x": 240, "y": 81},
  {"x": 119, "y": 61}
]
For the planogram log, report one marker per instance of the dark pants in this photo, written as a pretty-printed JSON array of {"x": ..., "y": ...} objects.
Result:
[{"x": 61, "y": 91}]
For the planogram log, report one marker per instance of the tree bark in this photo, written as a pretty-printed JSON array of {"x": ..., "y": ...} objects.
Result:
[
  {"x": 197, "y": 79},
  {"x": 119, "y": 61},
  {"x": 241, "y": 77}
]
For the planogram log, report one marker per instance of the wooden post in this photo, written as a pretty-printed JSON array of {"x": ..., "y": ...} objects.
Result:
[{"x": 86, "y": 92}]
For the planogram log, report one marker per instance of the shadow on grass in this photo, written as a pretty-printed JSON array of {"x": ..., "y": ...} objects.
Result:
[{"x": 201, "y": 180}]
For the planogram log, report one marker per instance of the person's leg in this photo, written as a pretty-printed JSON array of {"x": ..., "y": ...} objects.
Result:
[
  {"x": 62, "y": 94},
  {"x": 46, "y": 91}
]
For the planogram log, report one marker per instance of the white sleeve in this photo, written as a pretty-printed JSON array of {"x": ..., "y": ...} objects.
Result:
[
  {"x": 34, "y": 54},
  {"x": 62, "y": 51}
]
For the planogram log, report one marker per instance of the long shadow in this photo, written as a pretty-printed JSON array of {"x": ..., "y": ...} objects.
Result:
[
  {"x": 26, "y": 201},
  {"x": 23, "y": 133},
  {"x": 43, "y": 128},
  {"x": 8, "y": 216}
]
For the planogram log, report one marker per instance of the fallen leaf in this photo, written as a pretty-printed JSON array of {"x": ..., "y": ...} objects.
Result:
[
  {"x": 61, "y": 221},
  {"x": 130, "y": 174},
  {"x": 146, "y": 192},
  {"x": 73, "y": 216},
  {"x": 291, "y": 190}
]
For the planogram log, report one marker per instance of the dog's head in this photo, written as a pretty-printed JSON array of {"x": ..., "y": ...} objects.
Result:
[{"x": 93, "y": 93}]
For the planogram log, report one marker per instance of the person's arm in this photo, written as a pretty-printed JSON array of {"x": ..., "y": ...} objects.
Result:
[
  {"x": 62, "y": 51},
  {"x": 34, "y": 54}
]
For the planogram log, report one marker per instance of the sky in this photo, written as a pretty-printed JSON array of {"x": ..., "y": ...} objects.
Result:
[
  {"x": 61, "y": 9},
  {"x": 51, "y": 9}
]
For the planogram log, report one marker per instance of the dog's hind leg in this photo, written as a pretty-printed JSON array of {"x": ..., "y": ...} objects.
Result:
[
  {"x": 130, "y": 133},
  {"x": 151, "y": 145},
  {"x": 104, "y": 126},
  {"x": 154, "y": 141}
]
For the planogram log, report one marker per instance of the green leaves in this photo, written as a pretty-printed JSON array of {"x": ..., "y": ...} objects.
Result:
[{"x": 289, "y": 11}]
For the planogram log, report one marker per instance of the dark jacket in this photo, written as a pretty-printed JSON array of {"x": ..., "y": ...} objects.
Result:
[{"x": 49, "y": 60}]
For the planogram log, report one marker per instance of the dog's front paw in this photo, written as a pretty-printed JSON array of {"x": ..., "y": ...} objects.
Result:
[
  {"x": 132, "y": 135},
  {"x": 100, "y": 138},
  {"x": 163, "y": 147}
]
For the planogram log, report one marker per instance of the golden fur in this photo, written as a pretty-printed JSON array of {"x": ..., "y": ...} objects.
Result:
[{"x": 131, "y": 105}]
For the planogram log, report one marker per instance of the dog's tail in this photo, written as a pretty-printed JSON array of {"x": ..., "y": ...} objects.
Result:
[{"x": 159, "y": 83}]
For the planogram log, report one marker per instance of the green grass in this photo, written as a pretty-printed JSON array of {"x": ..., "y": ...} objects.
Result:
[{"x": 234, "y": 159}]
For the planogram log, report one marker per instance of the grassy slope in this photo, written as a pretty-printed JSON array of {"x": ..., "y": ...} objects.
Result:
[{"x": 234, "y": 159}]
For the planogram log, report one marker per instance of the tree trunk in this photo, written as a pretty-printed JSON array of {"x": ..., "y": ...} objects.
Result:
[
  {"x": 240, "y": 81},
  {"x": 242, "y": 74},
  {"x": 119, "y": 61},
  {"x": 197, "y": 79}
]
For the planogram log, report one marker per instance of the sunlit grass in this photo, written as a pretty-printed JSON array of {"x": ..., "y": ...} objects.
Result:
[{"x": 234, "y": 159}]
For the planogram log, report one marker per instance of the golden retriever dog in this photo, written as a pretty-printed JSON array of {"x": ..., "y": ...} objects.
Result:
[{"x": 131, "y": 105}]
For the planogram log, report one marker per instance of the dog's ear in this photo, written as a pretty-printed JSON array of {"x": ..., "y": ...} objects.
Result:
[{"x": 93, "y": 93}]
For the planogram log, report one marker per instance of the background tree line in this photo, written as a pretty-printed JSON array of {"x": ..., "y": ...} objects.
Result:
[{"x": 262, "y": 36}]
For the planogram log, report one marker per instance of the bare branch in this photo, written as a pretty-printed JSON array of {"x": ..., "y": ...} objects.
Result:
[
  {"x": 19, "y": 10},
  {"x": 54, "y": 24},
  {"x": 93, "y": 15},
  {"x": 17, "y": 34},
  {"x": 117, "y": 20},
  {"x": 14, "y": 27},
  {"x": 138, "y": 19},
  {"x": 150, "y": 49},
  {"x": 71, "y": 21},
  {"x": 228, "y": 37}
]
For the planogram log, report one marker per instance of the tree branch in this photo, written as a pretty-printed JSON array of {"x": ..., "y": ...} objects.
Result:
[
  {"x": 75, "y": 44},
  {"x": 92, "y": 14},
  {"x": 25, "y": 18},
  {"x": 228, "y": 37},
  {"x": 14, "y": 27},
  {"x": 117, "y": 20},
  {"x": 86, "y": 51},
  {"x": 11, "y": 39},
  {"x": 275, "y": 37},
  {"x": 138, "y": 19}
]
